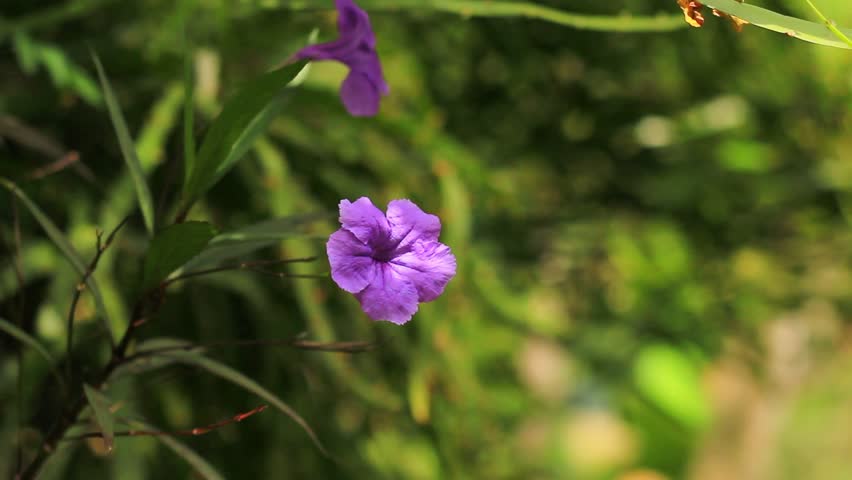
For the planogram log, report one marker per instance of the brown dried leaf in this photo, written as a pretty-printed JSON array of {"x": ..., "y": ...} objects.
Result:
[
  {"x": 737, "y": 21},
  {"x": 692, "y": 12}
]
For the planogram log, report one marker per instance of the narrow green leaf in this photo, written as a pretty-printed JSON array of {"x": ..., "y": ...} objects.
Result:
[
  {"x": 31, "y": 342},
  {"x": 103, "y": 415},
  {"x": 251, "y": 238},
  {"x": 26, "y": 51},
  {"x": 188, "y": 116},
  {"x": 201, "y": 466},
  {"x": 173, "y": 247},
  {"x": 243, "y": 118},
  {"x": 227, "y": 373},
  {"x": 794, "y": 27},
  {"x": 71, "y": 254},
  {"x": 128, "y": 149},
  {"x": 146, "y": 363}
]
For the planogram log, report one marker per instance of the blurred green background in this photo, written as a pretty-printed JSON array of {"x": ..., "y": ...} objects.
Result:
[{"x": 652, "y": 230}]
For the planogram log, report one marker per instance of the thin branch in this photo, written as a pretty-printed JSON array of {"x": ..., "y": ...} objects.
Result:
[
  {"x": 65, "y": 161},
  {"x": 28, "y": 136},
  {"x": 81, "y": 286},
  {"x": 174, "y": 433},
  {"x": 250, "y": 266}
]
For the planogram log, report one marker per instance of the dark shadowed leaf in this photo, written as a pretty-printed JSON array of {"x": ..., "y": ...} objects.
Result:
[
  {"x": 237, "y": 378},
  {"x": 31, "y": 342},
  {"x": 201, "y": 466},
  {"x": 248, "y": 239},
  {"x": 128, "y": 149},
  {"x": 103, "y": 416},
  {"x": 243, "y": 118},
  {"x": 173, "y": 247}
]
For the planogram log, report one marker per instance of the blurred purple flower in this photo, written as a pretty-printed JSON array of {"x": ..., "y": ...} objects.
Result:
[
  {"x": 390, "y": 262},
  {"x": 356, "y": 48}
]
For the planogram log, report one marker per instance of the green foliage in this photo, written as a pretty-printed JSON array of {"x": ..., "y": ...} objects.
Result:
[
  {"x": 128, "y": 150},
  {"x": 172, "y": 247},
  {"x": 63, "y": 72},
  {"x": 31, "y": 342},
  {"x": 100, "y": 405},
  {"x": 652, "y": 232},
  {"x": 68, "y": 250},
  {"x": 201, "y": 467},
  {"x": 244, "y": 117},
  {"x": 793, "y": 27}
]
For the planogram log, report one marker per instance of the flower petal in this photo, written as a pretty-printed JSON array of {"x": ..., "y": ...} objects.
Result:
[
  {"x": 354, "y": 30},
  {"x": 353, "y": 22},
  {"x": 360, "y": 95},
  {"x": 408, "y": 224},
  {"x": 365, "y": 221},
  {"x": 390, "y": 296},
  {"x": 429, "y": 266},
  {"x": 352, "y": 268}
]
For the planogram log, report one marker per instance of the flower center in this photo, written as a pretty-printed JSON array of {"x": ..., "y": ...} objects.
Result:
[{"x": 383, "y": 254}]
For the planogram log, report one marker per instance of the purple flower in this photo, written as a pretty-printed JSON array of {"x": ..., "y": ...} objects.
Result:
[
  {"x": 390, "y": 262},
  {"x": 356, "y": 48}
]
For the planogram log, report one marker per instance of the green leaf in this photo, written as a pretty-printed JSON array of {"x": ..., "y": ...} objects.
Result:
[
  {"x": 31, "y": 342},
  {"x": 794, "y": 27},
  {"x": 27, "y": 53},
  {"x": 128, "y": 149},
  {"x": 201, "y": 466},
  {"x": 237, "y": 378},
  {"x": 103, "y": 415},
  {"x": 146, "y": 363},
  {"x": 173, "y": 247},
  {"x": 243, "y": 118},
  {"x": 71, "y": 254},
  {"x": 249, "y": 239}
]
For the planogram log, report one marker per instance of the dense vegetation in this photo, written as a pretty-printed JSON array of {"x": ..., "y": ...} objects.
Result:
[{"x": 652, "y": 232}]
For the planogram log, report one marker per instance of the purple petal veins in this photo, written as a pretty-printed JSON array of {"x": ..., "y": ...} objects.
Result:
[
  {"x": 390, "y": 262},
  {"x": 363, "y": 88}
]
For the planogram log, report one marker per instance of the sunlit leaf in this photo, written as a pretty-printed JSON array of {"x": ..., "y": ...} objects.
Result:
[
  {"x": 793, "y": 27},
  {"x": 128, "y": 149},
  {"x": 243, "y": 118},
  {"x": 173, "y": 247},
  {"x": 101, "y": 406}
]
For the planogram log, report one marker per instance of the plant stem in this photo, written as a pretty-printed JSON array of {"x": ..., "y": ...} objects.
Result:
[
  {"x": 175, "y": 433},
  {"x": 101, "y": 247},
  {"x": 831, "y": 26},
  {"x": 69, "y": 417}
]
